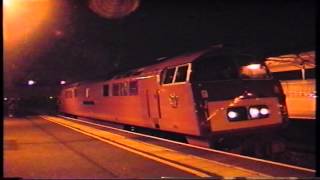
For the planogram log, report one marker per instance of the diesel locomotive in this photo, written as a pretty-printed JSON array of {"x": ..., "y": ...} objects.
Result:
[{"x": 208, "y": 96}]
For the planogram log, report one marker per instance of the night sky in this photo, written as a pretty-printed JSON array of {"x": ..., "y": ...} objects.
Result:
[{"x": 81, "y": 45}]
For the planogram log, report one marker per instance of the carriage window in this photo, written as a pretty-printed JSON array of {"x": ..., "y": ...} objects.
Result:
[
  {"x": 288, "y": 75},
  {"x": 168, "y": 75},
  {"x": 68, "y": 94},
  {"x": 87, "y": 92},
  {"x": 310, "y": 73},
  {"x": 181, "y": 74},
  {"x": 294, "y": 75},
  {"x": 115, "y": 89},
  {"x": 105, "y": 90},
  {"x": 76, "y": 93},
  {"x": 133, "y": 88},
  {"x": 123, "y": 89}
]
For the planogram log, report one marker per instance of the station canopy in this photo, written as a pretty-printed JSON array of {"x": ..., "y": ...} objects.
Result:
[{"x": 290, "y": 62}]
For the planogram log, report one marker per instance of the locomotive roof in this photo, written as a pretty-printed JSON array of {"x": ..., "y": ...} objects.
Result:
[
  {"x": 168, "y": 62},
  {"x": 181, "y": 59},
  {"x": 156, "y": 68}
]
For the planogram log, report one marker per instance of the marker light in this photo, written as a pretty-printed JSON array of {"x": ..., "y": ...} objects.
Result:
[
  {"x": 254, "y": 112},
  {"x": 254, "y": 66},
  {"x": 264, "y": 111},
  {"x": 62, "y": 82},
  {"x": 5, "y": 99},
  {"x": 232, "y": 114}
]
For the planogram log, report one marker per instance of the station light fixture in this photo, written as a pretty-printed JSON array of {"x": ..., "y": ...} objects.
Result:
[
  {"x": 5, "y": 99},
  {"x": 31, "y": 82},
  {"x": 7, "y": 3},
  {"x": 50, "y": 97},
  {"x": 63, "y": 82}
]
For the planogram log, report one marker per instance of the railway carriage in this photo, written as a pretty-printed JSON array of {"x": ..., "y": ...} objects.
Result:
[
  {"x": 296, "y": 73},
  {"x": 205, "y": 95}
]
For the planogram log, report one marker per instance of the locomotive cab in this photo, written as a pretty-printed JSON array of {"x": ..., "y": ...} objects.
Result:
[{"x": 236, "y": 95}]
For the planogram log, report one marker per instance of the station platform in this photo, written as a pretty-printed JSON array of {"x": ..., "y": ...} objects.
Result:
[{"x": 55, "y": 147}]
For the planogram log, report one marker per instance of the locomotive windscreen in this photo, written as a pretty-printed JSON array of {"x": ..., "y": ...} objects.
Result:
[
  {"x": 228, "y": 76},
  {"x": 222, "y": 67}
]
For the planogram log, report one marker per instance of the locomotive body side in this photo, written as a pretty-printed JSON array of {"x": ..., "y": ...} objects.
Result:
[{"x": 150, "y": 105}]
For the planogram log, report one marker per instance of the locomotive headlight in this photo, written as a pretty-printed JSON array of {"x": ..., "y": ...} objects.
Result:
[
  {"x": 264, "y": 111},
  {"x": 254, "y": 112},
  {"x": 254, "y": 66},
  {"x": 237, "y": 113},
  {"x": 232, "y": 114}
]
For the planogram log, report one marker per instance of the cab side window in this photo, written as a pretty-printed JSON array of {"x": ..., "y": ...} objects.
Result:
[
  {"x": 168, "y": 75},
  {"x": 175, "y": 74},
  {"x": 181, "y": 75}
]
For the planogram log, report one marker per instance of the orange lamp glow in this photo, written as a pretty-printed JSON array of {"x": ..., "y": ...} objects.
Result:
[
  {"x": 6, "y": 3},
  {"x": 21, "y": 18}
]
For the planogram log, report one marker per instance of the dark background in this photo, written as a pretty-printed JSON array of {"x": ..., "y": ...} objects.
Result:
[{"x": 91, "y": 47}]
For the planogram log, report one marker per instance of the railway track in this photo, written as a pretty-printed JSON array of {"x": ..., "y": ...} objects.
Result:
[{"x": 300, "y": 143}]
